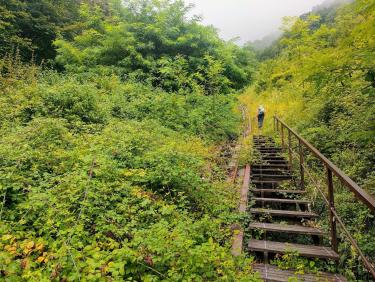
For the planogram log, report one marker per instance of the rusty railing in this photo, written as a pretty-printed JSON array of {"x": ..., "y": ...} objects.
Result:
[{"x": 287, "y": 135}]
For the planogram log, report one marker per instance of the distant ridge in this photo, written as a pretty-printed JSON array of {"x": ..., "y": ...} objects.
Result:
[
  {"x": 326, "y": 10},
  {"x": 266, "y": 41},
  {"x": 330, "y": 4}
]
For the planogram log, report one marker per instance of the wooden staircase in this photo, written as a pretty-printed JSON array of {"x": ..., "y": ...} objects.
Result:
[{"x": 283, "y": 216}]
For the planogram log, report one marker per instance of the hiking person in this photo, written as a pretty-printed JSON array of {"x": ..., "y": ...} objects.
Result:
[{"x": 261, "y": 113}]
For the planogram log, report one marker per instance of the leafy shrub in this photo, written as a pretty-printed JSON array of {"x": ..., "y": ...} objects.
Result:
[
  {"x": 73, "y": 103},
  {"x": 108, "y": 171},
  {"x": 96, "y": 193}
]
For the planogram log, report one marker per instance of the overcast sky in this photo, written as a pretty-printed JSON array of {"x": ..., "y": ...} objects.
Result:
[{"x": 249, "y": 19}]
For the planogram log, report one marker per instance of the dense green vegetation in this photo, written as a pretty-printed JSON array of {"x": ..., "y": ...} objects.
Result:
[
  {"x": 30, "y": 27},
  {"x": 151, "y": 41},
  {"x": 110, "y": 130},
  {"x": 320, "y": 79},
  {"x": 113, "y": 116},
  {"x": 323, "y": 79}
]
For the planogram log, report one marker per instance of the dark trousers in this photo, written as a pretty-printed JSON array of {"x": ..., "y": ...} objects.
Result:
[{"x": 260, "y": 121}]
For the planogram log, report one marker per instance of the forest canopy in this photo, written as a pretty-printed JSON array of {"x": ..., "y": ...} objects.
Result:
[{"x": 153, "y": 41}]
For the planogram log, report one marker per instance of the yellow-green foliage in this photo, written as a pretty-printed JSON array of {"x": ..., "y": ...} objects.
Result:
[
  {"x": 103, "y": 180},
  {"x": 275, "y": 103},
  {"x": 246, "y": 151},
  {"x": 321, "y": 81},
  {"x": 108, "y": 153}
]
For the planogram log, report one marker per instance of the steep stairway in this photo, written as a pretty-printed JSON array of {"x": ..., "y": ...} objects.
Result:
[{"x": 282, "y": 217}]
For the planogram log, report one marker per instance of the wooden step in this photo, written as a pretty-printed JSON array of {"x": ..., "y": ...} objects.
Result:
[
  {"x": 270, "y": 160},
  {"x": 270, "y": 165},
  {"x": 287, "y": 228},
  {"x": 281, "y": 201},
  {"x": 271, "y": 273},
  {"x": 284, "y": 167},
  {"x": 280, "y": 176},
  {"x": 264, "y": 177},
  {"x": 283, "y": 213},
  {"x": 262, "y": 140},
  {"x": 272, "y": 172},
  {"x": 262, "y": 170},
  {"x": 274, "y": 161},
  {"x": 270, "y": 169},
  {"x": 278, "y": 158},
  {"x": 302, "y": 250},
  {"x": 267, "y": 148},
  {"x": 266, "y": 145},
  {"x": 268, "y": 181},
  {"x": 261, "y": 136},
  {"x": 278, "y": 191},
  {"x": 270, "y": 154}
]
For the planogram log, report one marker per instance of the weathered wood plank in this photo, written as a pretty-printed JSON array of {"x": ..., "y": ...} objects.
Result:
[
  {"x": 287, "y": 228},
  {"x": 302, "y": 250},
  {"x": 278, "y": 191},
  {"x": 283, "y": 213},
  {"x": 271, "y": 273},
  {"x": 282, "y": 201}
]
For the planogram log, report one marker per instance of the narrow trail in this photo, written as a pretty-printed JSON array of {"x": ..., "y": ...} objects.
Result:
[
  {"x": 279, "y": 210},
  {"x": 282, "y": 217}
]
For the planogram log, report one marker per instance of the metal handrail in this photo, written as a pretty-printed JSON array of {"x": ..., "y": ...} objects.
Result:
[
  {"x": 361, "y": 194},
  {"x": 366, "y": 262},
  {"x": 332, "y": 169}
]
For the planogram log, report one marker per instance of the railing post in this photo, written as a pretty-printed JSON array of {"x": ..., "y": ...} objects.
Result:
[
  {"x": 282, "y": 137},
  {"x": 274, "y": 123},
  {"x": 250, "y": 124},
  {"x": 301, "y": 165},
  {"x": 290, "y": 149},
  {"x": 332, "y": 219},
  {"x": 277, "y": 124}
]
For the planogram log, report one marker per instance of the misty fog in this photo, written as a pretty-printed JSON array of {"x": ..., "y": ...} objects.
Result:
[{"x": 253, "y": 19}]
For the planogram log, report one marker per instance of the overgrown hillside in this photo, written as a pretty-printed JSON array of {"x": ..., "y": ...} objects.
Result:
[
  {"x": 322, "y": 82},
  {"x": 113, "y": 119},
  {"x": 109, "y": 143},
  {"x": 319, "y": 78}
]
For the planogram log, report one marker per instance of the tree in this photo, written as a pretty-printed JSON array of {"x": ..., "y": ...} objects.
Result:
[
  {"x": 142, "y": 36},
  {"x": 31, "y": 26}
]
